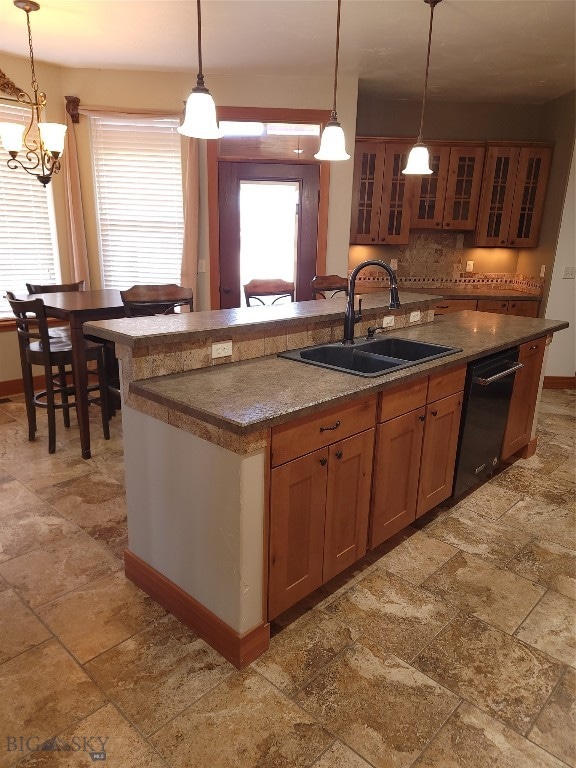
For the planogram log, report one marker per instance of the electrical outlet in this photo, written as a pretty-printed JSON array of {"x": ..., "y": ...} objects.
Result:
[
  {"x": 469, "y": 266},
  {"x": 394, "y": 264},
  {"x": 569, "y": 273},
  {"x": 201, "y": 266},
  {"x": 415, "y": 316},
  {"x": 388, "y": 322},
  {"x": 542, "y": 270},
  {"x": 222, "y": 349}
]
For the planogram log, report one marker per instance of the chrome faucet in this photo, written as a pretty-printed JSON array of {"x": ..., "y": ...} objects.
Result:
[{"x": 352, "y": 317}]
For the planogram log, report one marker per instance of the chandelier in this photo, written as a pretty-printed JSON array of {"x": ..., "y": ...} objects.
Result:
[{"x": 40, "y": 156}]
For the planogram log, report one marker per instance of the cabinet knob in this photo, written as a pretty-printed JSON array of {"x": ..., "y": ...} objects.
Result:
[
  {"x": 512, "y": 242},
  {"x": 438, "y": 223},
  {"x": 434, "y": 413},
  {"x": 446, "y": 224},
  {"x": 329, "y": 429},
  {"x": 373, "y": 239},
  {"x": 422, "y": 418},
  {"x": 323, "y": 462},
  {"x": 338, "y": 454},
  {"x": 502, "y": 242}
]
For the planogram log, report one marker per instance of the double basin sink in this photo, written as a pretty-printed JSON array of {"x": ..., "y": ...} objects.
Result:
[{"x": 371, "y": 357}]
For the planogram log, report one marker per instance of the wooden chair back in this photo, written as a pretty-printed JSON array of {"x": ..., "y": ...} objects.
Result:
[
  {"x": 256, "y": 289},
  {"x": 145, "y": 300},
  {"x": 55, "y": 287},
  {"x": 332, "y": 284}
]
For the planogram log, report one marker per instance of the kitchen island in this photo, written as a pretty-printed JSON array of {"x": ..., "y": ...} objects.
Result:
[{"x": 198, "y": 437}]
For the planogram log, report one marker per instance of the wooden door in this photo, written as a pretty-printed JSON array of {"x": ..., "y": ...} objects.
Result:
[
  {"x": 529, "y": 196},
  {"x": 396, "y": 471},
  {"x": 429, "y": 196},
  {"x": 523, "y": 403},
  {"x": 439, "y": 451},
  {"x": 297, "y": 513},
  {"x": 367, "y": 192},
  {"x": 497, "y": 196},
  {"x": 348, "y": 502},
  {"x": 463, "y": 187},
  {"x": 230, "y": 174},
  {"x": 397, "y": 196},
  {"x": 493, "y": 305}
]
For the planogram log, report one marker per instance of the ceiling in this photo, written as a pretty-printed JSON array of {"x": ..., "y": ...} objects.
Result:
[{"x": 514, "y": 51}]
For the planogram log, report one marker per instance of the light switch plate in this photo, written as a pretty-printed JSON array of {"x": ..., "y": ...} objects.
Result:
[
  {"x": 394, "y": 264},
  {"x": 222, "y": 349},
  {"x": 542, "y": 270},
  {"x": 388, "y": 322},
  {"x": 201, "y": 266},
  {"x": 469, "y": 266},
  {"x": 415, "y": 316},
  {"x": 569, "y": 273}
]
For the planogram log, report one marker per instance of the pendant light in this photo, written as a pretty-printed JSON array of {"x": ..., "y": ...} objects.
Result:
[
  {"x": 200, "y": 114},
  {"x": 419, "y": 159},
  {"x": 41, "y": 155},
  {"x": 333, "y": 142}
]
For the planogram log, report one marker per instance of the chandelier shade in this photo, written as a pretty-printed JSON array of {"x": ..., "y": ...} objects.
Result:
[
  {"x": 333, "y": 141},
  {"x": 419, "y": 159},
  {"x": 200, "y": 114},
  {"x": 41, "y": 154}
]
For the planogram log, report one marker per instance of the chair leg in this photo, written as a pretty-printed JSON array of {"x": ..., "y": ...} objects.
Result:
[
  {"x": 64, "y": 395},
  {"x": 103, "y": 387},
  {"x": 29, "y": 399},
  {"x": 51, "y": 410}
]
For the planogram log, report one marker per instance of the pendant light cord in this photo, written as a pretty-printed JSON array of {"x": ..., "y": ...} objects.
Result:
[
  {"x": 433, "y": 4},
  {"x": 200, "y": 74},
  {"x": 333, "y": 116}
]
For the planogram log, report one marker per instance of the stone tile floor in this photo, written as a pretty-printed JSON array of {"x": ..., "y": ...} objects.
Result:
[{"x": 452, "y": 646}]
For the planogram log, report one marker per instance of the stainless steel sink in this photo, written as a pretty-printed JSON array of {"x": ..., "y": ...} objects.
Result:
[{"x": 370, "y": 357}]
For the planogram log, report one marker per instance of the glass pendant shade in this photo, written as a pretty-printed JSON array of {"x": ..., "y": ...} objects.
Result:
[
  {"x": 418, "y": 161},
  {"x": 52, "y": 136},
  {"x": 332, "y": 143},
  {"x": 200, "y": 116},
  {"x": 11, "y": 136}
]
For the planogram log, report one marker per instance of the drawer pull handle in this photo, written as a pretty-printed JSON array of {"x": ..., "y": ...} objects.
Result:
[
  {"x": 534, "y": 347},
  {"x": 434, "y": 413},
  {"x": 422, "y": 418},
  {"x": 338, "y": 454},
  {"x": 323, "y": 462},
  {"x": 329, "y": 429}
]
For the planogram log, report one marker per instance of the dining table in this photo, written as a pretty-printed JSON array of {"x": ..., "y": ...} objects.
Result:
[{"x": 77, "y": 308}]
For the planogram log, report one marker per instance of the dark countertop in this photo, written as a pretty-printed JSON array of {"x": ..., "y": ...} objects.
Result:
[{"x": 255, "y": 394}]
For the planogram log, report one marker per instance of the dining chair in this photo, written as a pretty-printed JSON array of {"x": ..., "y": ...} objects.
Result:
[
  {"x": 37, "y": 347},
  {"x": 256, "y": 289},
  {"x": 32, "y": 288},
  {"x": 144, "y": 300},
  {"x": 333, "y": 284}
]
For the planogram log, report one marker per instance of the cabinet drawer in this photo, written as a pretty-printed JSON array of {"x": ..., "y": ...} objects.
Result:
[
  {"x": 446, "y": 383},
  {"x": 524, "y": 308},
  {"x": 406, "y": 397},
  {"x": 454, "y": 305},
  {"x": 532, "y": 348},
  {"x": 309, "y": 433},
  {"x": 493, "y": 305}
]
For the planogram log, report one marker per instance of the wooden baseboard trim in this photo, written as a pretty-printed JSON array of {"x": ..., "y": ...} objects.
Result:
[
  {"x": 240, "y": 650},
  {"x": 16, "y": 386},
  {"x": 559, "y": 382},
  {"x": 528, "y": 450}
]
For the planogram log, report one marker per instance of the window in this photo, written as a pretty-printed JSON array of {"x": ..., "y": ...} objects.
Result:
[
  {"x": 28, "y": 244},
  {"x": 138, "y": 178}
]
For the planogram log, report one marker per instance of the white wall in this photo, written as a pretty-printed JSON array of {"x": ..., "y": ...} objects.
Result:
[{"x": 562, "y": 296}]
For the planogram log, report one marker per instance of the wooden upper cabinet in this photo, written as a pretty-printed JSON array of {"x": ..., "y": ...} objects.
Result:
[
  {"x": 448, "y": 198},
  {"x": 513, "y": 193},
  {"x": 382, "y": 195}
]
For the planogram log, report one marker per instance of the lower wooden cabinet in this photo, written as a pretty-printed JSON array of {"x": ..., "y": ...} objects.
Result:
[
  {"x": 415, "y": 454},
  {"x": 524, "y": 308},
  {"x": 523, "y": 403},
  {"x": 319, "y": 510},
  {"x": 448, "y": 306}
]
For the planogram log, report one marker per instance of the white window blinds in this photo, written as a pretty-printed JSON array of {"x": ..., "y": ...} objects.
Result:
[
  {"x": 28, "y": 245},
  {"x": 138, "y": 178}
]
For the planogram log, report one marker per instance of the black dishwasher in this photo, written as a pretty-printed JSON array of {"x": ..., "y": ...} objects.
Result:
[{"x": 487, "y": 393}]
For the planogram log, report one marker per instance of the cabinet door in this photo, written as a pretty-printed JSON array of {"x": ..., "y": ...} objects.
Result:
[
  {"x": 439, "y": 451},
  {"x": 396, "y": 471},
  {"x": 529, "y": 194},
  {"x": 497, "y": 196},
  {"x": 348, "y": 502},
  {"x": 397, "y": 193},
  {"x": 524, "y": 308},
  {"x": 297, "y": 513},
  {"x": 367, "y": 192},
  {"x": 523, "y": 402},
  {"x": 463, "y": 187},
  {"x": 428, "y": 208},
  {"x": 454, "y": 305},
  {"x": 493, "y": 305}
]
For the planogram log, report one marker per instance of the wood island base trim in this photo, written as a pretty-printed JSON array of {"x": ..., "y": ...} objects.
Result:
[
  {"x": 529, "y": 450},
  {"x": 240, "y": 650}
]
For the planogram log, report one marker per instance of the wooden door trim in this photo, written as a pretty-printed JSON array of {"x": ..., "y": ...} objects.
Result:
[{"x": 261, "y": 114}]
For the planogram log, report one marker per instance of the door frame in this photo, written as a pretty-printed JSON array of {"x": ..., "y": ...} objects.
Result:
[{"x": 261, "y": 114}]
